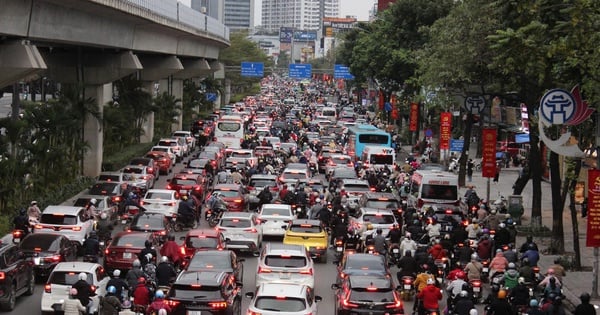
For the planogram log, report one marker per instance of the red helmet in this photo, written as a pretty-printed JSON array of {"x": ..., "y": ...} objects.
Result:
[
  {"x": 141, "y": 280},
  {"x": 461, "y": 275}
]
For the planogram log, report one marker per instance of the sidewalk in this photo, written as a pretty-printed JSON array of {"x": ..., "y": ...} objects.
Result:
[{"x": 575, "y": 283}]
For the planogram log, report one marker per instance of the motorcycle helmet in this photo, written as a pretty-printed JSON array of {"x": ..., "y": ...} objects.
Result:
[
  {"x": 159, "y": 294},
  {"x": 184, "y": 197},
  {"x": 82, "y": 276},
  {"x": 525, "y": 261},
  {"x": 141, "y": 280},
  {"x": 461, "y": 275},
  {"x": 502, "y": 294},
  {"x": 550, "y": 271},
  {"x": 111, "y": 289},
  {"x": 379, "y": 231},
  {"x": 164, "y": 259},
  {"x": 531, "y": 246},
  {"x": 430, "y": 281},
  {"x": 93, "y": 234},
  {"x": 502, "y": 225},
  {"x": 149, "y": 257},
  {"x": 474, "y": 256},
  {"x": 533, "y": 303},
  {"x": 512, "y": 266},
  {"x": 137, "y": 263},
  {"x": 33, "y": 203},
  {"x": 93, "y": 201},
  {"x": 22, "y": 211},
  {"x": 116, "y": 273},
  {"x": 103, "y": 216},
  {"x": 147, "y": 244},
  {"x": 475, "y": 220},
  {"x": 585, "y": 298},
  {"x": 464, "y": 293},
  {"x": 521, "y": 280},
  {"x": 408, "y": 235}
]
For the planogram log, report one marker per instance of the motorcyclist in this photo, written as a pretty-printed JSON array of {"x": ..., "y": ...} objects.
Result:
[
  {"x": 473, "y": 229},
  {"x": 456, "y": 286},
  {"x": 492, "y": 220},
  {"x": 519, "y": 295},
  {"x": 526, "y": 271},
  {"x": 104, "y": 227},
  {"x": 430, "y": 295},
  {"x": 500, "y": 306},
  {"x": 265, "y": 196},
  {"x": 133, "y": 275},
  {"x": 446, "y": 243},
  {"x": 529, "y": 244},
  {"x": 379, "y": 242},
  {"x": 171, "y": 250},
  {"x": 158, "y": 303},
  {"x": 339, "y": 228},
  {"x": 90, "y": 208},
  {"x": 511, "y": 276},
  {"x": 34, "y": 211},
  {"x": 433, "y": 229},
  {"x": 407, "y": 266},
  {"x": 437, "y": 251},
  {"x": 463, "y": 304},
  {"x": 91, "y": 246},
  {"x": 532, "y": 254},
  {"x": 463, "y": 253},
  {"x": 502, "y": 236},
  {"x": 216, "y": 204},
  {"x": 534, "y": 309},
  {"x": 165, "y": 272},
  {"x": 408, "y": 245},
  {"x": 141, "y": 294},
  {"x": 549, "y": 275},
  {"x": 186, "y": 211},
  {"x": 111, "y": 303},
  {"x": 316, "y": 209},
  {"x": 72, "y": 305},
  {"x": 395, "y": 234},
  {"x": 21, "y": 222},
  {"x": 84, "y": 290},
  {"x": 552, "y": 287},
  {"x": 142, "y": 256},
  {"x": 119, "y": 284},
  {"x": 484, "y": 247},
  {"x": 459, "y": 235},
  {"x": 458, "y": 267},
  {"x": 423, "y": 277}
]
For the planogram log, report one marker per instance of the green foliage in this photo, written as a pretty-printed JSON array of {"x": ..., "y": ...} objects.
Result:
[
  {"x": 115, "y": 160},
  {"x": 167, "y": 109}
]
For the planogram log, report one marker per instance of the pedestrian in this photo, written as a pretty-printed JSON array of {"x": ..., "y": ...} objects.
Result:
[
  {"x": 585, "y": 308},
  {"x": 497, "y": 175},
  {"x": 470, "y": 166}
]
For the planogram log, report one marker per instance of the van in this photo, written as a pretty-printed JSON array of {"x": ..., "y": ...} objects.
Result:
[
  {"x": 433, "y": 187},
  {"x": 378, "y": 156},
  {"x": 329, "y": 112}
]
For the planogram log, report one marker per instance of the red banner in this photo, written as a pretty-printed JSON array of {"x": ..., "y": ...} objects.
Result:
[
  {"x": 593, "y": 219},
  {"x": 414, "y": 117},
  {"x": 445, "y": 130},
  {"x": 488, "y": 163},
  {"x": 381, "y": 100}
]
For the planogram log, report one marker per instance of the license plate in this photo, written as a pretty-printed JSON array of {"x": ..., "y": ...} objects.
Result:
[
  {"x": 284, "y": 275},
  {"x": 485, "y": 269},
  {"x": 123, "y": 221},
  {"x": 36, "y": 260},
  {"x": 395, "y": 251},
  {"x": 194, "y": 313},
  {"x": 476, "y": 289},
  {"x": 339, "y": 249},
  {"x": 407, "y": 286},
  {"x": 126, "y": 255}
]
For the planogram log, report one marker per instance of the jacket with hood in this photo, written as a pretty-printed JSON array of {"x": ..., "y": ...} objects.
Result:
[
  {"x": 484, "y": 249},
  {"x": 499, "y": 263},
  {"x": 430, "y": 295},
  {"x": 510, "y": 278}
]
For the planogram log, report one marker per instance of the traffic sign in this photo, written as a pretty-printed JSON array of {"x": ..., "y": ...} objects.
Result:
[
  {"x": 211, "y": 97},
  {"x": 456, "y": 145},
  {"x": 253, "y": 69},
  {"x": 300, "y": 71},
  {"x": 342, "y": 72}
]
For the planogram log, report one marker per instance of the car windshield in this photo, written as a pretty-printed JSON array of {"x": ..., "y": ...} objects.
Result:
[
  {"x": 451, "y": 218},
  {"x": 67, "y": 278},
  {"x": 136, "y": 240},
  {"x": 378, "y": 219},
  {"x": 155, "y": 156},
  {"x": 275, "y": 211},
  {"x": 305, "y": 228},
  {"x": 202, "y": 261},
  {"x": 40, "y": 242},
  {"x": 167, "y": 143},
  {"x": 261, "y": 182},
  {"x": 109, "y": 177},
  {"x": 382, "y": 159},
  {"x": 237, "y": 154},
  {"x": 139, "y": 161},
  {"x": 280, "y": 304},
  {"x": 382, "y": 204},
  {"x": 285, "y": 261},
  {"x": 235, "y": 223},
  {"x": 229, "y": 126},
  {"x": 366, "y": 294},
  {"x": 183, "y": 182},
  {"x": 58, "y": 219},
  {"x": 228, "y": 193},
  {"x": 104, "y": 189},
  {"x": 147, "y": 221},
  {"x": 195, "y": 292},
  {"x": 339, "y": 160},
  {"x": 356, "y": 187},
  {"x": 158, "y": 195},
  {"x": 202, "y": 242},
  {"x": 293, "y": 175}
]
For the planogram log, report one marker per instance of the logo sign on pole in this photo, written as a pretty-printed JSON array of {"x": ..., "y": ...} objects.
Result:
[
  {"x": 445, "y": 130},
  {"x": 456, "y": 145},
  {"x": 300, "y": 71},
  {"x": 475, "y": 104},
  {"x": 593, "y": 220},
  {"x": 253, "y": 69},
  {"x": 414, "y": 117},
  {"x": 342, "y": 72},
  {"x": 488, "y": 163}
]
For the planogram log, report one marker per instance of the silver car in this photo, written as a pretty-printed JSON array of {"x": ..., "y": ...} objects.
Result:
[
  {"x": 285, "y": 264},
  {"x": 241, "y": 231}
]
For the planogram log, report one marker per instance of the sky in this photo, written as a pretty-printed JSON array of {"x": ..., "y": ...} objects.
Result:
[{"x": 358, "y": 8}]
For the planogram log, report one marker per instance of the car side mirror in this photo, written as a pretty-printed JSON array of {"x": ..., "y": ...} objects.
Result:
[
  {"x": 335, "y": 286},
  {"x": 249, "y": 295},
  {"x": 318, "y": 298}
]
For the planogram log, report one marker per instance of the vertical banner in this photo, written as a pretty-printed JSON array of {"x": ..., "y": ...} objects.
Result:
[
  {"x": 414, "y": 117},
  {"x": 593, "y": 219},
  {"x": 488, "y": 163},
  {"x": 445, "y": 130},
  {"x": 381, "y": 100}
]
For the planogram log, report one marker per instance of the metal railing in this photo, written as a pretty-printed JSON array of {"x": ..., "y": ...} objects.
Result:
[{"x": 179, "y": 12}]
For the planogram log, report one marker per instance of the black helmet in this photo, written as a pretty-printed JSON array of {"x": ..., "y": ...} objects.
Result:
[
  {"x": 585, "y": 298},
  {"x": 379, "y": 231},
  {"x": 22, "y": 211},
  {"x": 148, "y": 244}
]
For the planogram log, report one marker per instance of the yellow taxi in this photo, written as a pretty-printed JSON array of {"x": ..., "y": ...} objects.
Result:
[{"x": 310, "y": 234}]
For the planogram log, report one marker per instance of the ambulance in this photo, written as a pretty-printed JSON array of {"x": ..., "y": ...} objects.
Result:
[
  {"x": 433, "y": 187},
  {"x": 376, "y": 156}
]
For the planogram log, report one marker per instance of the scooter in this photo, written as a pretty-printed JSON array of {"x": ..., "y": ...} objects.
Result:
[
  {"x": 485, "y": 271},
  {"x": 180, "y": 223},
  {"x": 339, "y": 248},
  {"x": 407, "y": 291},
  {"x": 394, "y": 255},
  {"x": 476, "y": 287}
]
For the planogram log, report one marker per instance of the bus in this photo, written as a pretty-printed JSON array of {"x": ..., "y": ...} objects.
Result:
[
  {"x": 229, "y": 130},
  {"x": 378, "y": 156},
  {"x": 361, "y": 135}
]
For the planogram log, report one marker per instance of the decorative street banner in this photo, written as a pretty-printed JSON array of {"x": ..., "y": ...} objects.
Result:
[
  {"x": 445, "y": 130},
  {"x": 414, "y": 117},
  {"x": 488, "y": 163},
  {"x": 593, "y": 219},
  {"x": 381, "y": 100}
]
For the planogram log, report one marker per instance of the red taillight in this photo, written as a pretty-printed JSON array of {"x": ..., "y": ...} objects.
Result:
[
  {"x": 252, "y": 230},
  {"x": 218, "y": 305},
  {"x": 536, "y": 269},
  {"x": 263, "y": 270},
  {"x": 182, "y": 250},
  {"x": 172, "y": 303},
  {"x": 476, "y": 283},
  {"x": 17, "y": 234},
  {"x": 106, "y": 251},
  {"x": 38, "y": 226},
  {"x": 407, "y": 281},
  {"x": 48, "y": 288},
  {"x": 51, "y": 259},
  {"x": 116, "y": 198},
  {"x": 397, "y": 302},
  {"x": 169, "y": 186},
  {"x": 141, "y": 203},
  {"x": 308, "y": 271},
  {"x": 163, "y": 232},
  {"x": 150, "y": 170},
  {"x": 76, "y": 228},
  {"x": 339, "y": 243},
  {"x": 2, "y": 275},
  {"x": 238, "y": 201},
  {"x": 172, "y": 204},
  {"x": 93, "y": 288}
]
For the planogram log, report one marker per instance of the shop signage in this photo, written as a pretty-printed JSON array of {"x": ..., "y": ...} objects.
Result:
[{"x": 593, "y": 219}]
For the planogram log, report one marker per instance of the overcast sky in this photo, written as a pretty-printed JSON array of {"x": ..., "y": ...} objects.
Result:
[{"x": 358, "y": 8}]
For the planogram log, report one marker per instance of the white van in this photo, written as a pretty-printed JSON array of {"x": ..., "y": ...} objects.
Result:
[
  {"x": 329, "y": 112},
  {"x": 378, "y": 156},
  {"x": 433, "y": 187}
]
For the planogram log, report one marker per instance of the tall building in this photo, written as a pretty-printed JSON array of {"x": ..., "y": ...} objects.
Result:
[
  {"x": 235, "y": 14},
  {"x": 297, "y": 14}
]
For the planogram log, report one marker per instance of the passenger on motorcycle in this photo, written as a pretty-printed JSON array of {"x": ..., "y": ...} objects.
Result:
[
  {"x": 407, "y": 266},
  {"x": 339, "y": 228},
  {"x": 111, "y": 303},
  {"x": 141, "y": 293},
  {"x": 84, "y": 290},
  {"x": 529, "y": 244},
  {"x": 159, "y": 303},
  {"x": 430, "y": 296},
  {"x": 463, "y": 252},
  {"x": 423, "y": 278},
  {"x": 104, "y": 227},
  {"x": 526, "y": 271},
  {"x": 500, "y": 306},
  {"x": 498, "y": 264},
  {"x": 34, "y": 211},
  {"x": 519, "y": 295},
  {"x": 511, "y": 276},
  {"x": 437, "y": 251},
  {"x": 502, "y": 236},
  {"x": 133, "y": 275},
  {"x": 433, "y": 229},
  {"x": 186, "y": 210},
  {"x": 473, "y": 229},
  {"x": 456, "y": 285},
  {"x": 493, "y": 220},
  {"x": 408, "y": 245},
  {"x": 463, "y": 304},
  {"x": 552, "y": 287},
  {"x": 21, "y": 222},
  {"x": 119, "y": 284},
  {"x": 171, "y": 250},
  {"x": 484, "y": 247},
  {"x": 473, "y": 268},
  {"x": 531, "y": 254},
  {"x": 91, "y": 245},
  {"x": 90, "y": 209},
  {"x": 143, "y": 255},
  {"x": 380, "y": 242}
]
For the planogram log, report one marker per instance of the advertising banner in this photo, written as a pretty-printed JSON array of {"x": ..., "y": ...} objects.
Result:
[
  {"x": 414, "y": 117},
  {"x": 593, "y": 219},
  {"x": 445, "y": 130},
  {"x": 381, "y": 100},
  {"x": 488, "y": 162},
  {"x": 286, "y": 34}
]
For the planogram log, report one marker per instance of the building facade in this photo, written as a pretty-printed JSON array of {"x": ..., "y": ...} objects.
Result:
[
  {"x": 235, "y": 14},
  {"x": 297, "y": 14}
]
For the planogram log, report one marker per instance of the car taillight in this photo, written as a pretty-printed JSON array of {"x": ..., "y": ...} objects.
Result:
[
  {"x": 252, "y": 230},
  {"x": 397, "y": 302},
  {"x": 2, "y": 275},
  {"x": 218, "y": 305},
  {"x": 93, "y": 288},
  {"x": 476, "y": 283},
  {"x": 76, "y": 228},
  {"x": 308, "y": 271},
  {"x": 141, "y": 203},
  {"x": 249, "y": 187},
  {"x": 263, "y": 270},
  {"x": 150, "y": 170},
  {"x": 51, "y": 259},
  {"x": 172, "y": 303},
  {"x": 346, "y": 303},
  {"x": 106, "y": 252},
  {"x": 169, "y": 186},
  {"x": 197, "y": 188},
  {"x": 48, "y": 288},
  {"x": 238, "y": 201},
  {"x": 38, "y": 226},
  {"x": 172, "y": 204},
  {"x": 163, "y": 232}
]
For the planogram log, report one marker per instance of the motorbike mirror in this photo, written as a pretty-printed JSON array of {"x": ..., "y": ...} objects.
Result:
[
  {"x": 318, "y": 298},
  {"x": 249, "y": 295},
  {"x": 335, "y": 286}
]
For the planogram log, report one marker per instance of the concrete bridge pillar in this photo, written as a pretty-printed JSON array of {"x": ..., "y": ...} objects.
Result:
[
  {"x": 148, "y": 126},
  {"x": 19, "y": 61},
  {"x": 93, "y": 134}
]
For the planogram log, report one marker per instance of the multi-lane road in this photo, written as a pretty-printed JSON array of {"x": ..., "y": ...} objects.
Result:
[{"x": 324, "y": 276}]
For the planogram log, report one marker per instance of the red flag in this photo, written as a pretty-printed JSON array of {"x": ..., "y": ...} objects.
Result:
[
  {"x": 381, "y": 100},
  {"x": 445, "y": 130}
]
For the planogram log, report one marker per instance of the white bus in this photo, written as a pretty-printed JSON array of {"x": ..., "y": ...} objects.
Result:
[
  {"x": 378, "y": 156},
  {"x": 229, "y": 130}
]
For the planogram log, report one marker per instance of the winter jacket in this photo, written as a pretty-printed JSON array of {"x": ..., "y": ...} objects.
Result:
[
  {"x": 430, "y": 295},
  {"x": 73, "y": 306},
  {"x": 157, "y": 305},
  {"x": 132, "y": 277},
  {"x": 171, "y": 250},
  {"x": 499, "y": 263},
  {"x": 510, "y": 278},
  {"x": 408, "y": 244},
  {"x": 484, "y": 249},
  {"x": 533, "y": 256},
  {"x": 421, "y": 280},
  {"x": 109, "y": 305},
  {"x": 437, "y": 251},
  {"x": 473, "y": 270},
  {"x": 141, "y": 295}
]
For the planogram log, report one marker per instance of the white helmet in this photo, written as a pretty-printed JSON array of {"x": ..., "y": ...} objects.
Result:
[
  {"x": 93, "y": 201},
  {"x": 502, "y": 225},
  {"x": 164, "y": 259},
  {"x": 318, "y": 200},
  {"x": 103, "y": 216},
  {"x": 82, "y": 276},
  {"x": 117, "y": 273}
]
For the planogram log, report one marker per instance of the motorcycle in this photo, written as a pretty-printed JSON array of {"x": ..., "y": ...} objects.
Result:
[
  {"x": 394, "y": 255},
  {"x": 90, "y": 258},
  {"x": 407, "y": 291},
  {"x": 181, "y": 222},
  {"x": 453, "y": 166},
  {"x": 313, "y": 168},
  {"x": 339, "y": 248},
  {"x": 300, "y": 211},
  {"x": 476, "y": 287},
  {"x": 485, "y": 270},
  {"x": 17, "y": 235},
  {"x": 441, "y": 265}
]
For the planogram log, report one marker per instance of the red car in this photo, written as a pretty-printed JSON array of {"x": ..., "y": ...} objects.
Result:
[
  {"x": 233, "y": 195},
  {"x": 193, "y": 184},
  {"x": 124, "y": 248},
  {"x": 162, "y": 160},
  {"x": 201, "y": 239}
]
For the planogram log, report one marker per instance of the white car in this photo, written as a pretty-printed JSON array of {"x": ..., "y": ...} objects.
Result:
[
  {"x": 274, "y": 218},
  {"x": 64, "y": 275},
  {"x": 68, "y": 221},
  {"x": 378, "y": 218},
  {"x": 138, "y": 176},
  {"x": 187, "y": 135},
  {"x": 354, "y": 188},
  {"x": 175, "y": 145},
  {"x": 283, "y": 263},
  {"x": 162, "y": 201},
  {"x": 241, "y": 231},
  {"x": 279, "y": 298},
  {"x": 291, "y": 176}
]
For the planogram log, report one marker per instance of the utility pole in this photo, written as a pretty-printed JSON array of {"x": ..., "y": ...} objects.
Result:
[{"x": 595, "y": 269}]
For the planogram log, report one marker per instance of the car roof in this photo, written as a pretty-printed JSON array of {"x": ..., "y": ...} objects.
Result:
[
  {"x": 44, "y": 235},
  {"x": 366, "y": 210},
  {"x": 241, "y": 215},
  {"x": 77, "y": 266},
  {"x": 166, "y": 191},
  {"x": 364, "y": 257},
  {"x": 277, "y": 206},
  {"x": 282, "y": 289},
  {"x": 377, "y": 195},
  {"x": 285, "y": 249},
  {"x": 263, "y": 176},
  {"x": 365, "y": 281},
  {"x": 306, "y": 221},
  {"x": 203, "y": 232},
  {"x": 67, "y": 210},
  {"x": 201, "y": 277},
  {"x": 227, "y": 187}
]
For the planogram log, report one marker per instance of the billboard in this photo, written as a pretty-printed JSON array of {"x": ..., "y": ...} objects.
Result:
[
  {"x": 286, "y": 34},
  {"x": 305, "y": 36},
  {"x": 334, "y": 25}
]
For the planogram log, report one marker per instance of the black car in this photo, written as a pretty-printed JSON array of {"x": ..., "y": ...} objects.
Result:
[
  {"x": 205, "y": 292},
  {"x": 46, "y": 250},
  {"x": 153, "y": 222},
  {"x": 217, "y": 260},
  {"x": 367, "y": 295},
  {"x": 450, "y": 217},
  {"x": 16, "y": 275},
  {"x": 362, "y": 264}
]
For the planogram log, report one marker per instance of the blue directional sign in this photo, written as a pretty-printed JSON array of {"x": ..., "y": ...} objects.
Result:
[
  {"x": 342, "y": 72},
  {"x": 253, "y": 69},
  {"x": 211, "y": 97},
  {"x": 456, "y": 145},
  {"x": 300, "y": 71}
]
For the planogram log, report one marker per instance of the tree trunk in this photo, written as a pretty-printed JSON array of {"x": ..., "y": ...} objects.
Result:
[
  {"x": 535, "y": 171},
  {"x": 575, "y": 223},
  {"x": 557, "y": 245},
  {"x": 465, "y": 151}
]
